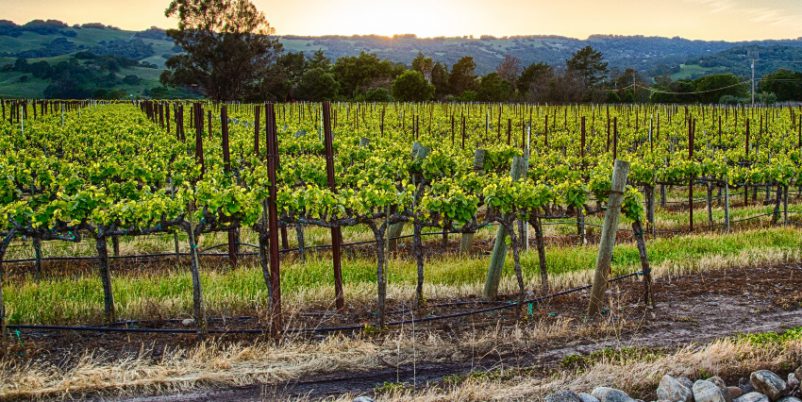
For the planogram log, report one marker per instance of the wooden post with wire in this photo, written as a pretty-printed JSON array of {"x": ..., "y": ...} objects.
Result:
[
  {"x": 607, "y": 242},
  {"x": 276, "y": 321},
  {"x": 336, "y": 233}
]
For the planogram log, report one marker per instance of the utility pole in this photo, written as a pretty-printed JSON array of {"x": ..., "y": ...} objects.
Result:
[{"x": 754, "y": 55}]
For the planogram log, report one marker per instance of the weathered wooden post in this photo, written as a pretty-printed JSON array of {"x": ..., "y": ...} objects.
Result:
[
  {"x": 272, "y": 212},
  {"x": 609, "y": 230},
  {"x": 336, "y": 234},
  {"x": 519, "y": 166},
  {"x": 233, "y": 232}
]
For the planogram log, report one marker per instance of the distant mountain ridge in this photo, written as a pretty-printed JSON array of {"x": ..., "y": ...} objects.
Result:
[
  {"x": 650, "y": 55},
  {"x": 52, "y": 41}
]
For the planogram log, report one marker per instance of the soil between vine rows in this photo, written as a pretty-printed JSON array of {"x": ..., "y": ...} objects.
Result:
[{"x": 694, "y": 308}]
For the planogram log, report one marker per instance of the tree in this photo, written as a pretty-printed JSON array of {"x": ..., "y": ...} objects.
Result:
[
  {"x": 131, "y": 79},
  {"x": 319, "y": 60},
  {"x": 628, "y": 93},
  {"x": 440, "y": 79},
  {"x": 227, "y": 47},
  {"x": 666, "y": 91},
  {"x": 379, "y": 94},
  {"x": 412, "y": 86},
  {"x": 494, "y": 88},
  {"x": 535, "y": 81},
  {"x": 424, "y": 65},
  {"x": 318, "y": 84},
  {"x": 509, "y": 69},
  {"x": 40, "y": 69},
  {"x": 712, "y": 87},
  {"x": 463, "y": 76},
  {"x": 588, "y": 66},
  {"x": 357, "y": 74},
  {"x": 21, "y": 64},
  {"x": 785, "y": 84}
]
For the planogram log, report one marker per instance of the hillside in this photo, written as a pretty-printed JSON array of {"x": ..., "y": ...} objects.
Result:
[{"x": 131, "y": 62}]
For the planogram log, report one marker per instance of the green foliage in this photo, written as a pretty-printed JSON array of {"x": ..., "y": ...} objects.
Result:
[
  {"x": 534, "y": 82},
  {"x": 358, "y": 73},
  {"x": 412, "y": 86},
  {"x": 713, "y": 87},
  {"x": 226, "y": 45},
  {"x": 772, "y": 338},
  {"x": 785, "y": 84},
  {"x": 587, "y": 63},
  {"x": 318, "y": 84},
  {"x": 463, "y": 76},
  {"x": 494, "y": 89}
]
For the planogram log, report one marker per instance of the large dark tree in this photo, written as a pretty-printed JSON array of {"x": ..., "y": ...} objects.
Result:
[
  {"x": 588, "y": 65},
  {"x": 535, "y": 82},
  {"x": 424, "y": 65},
  {"x": 412, "y": 86},
  {"x": 711, "y": 88},
  {"x": 786, "y": 84},
  {"x": 463, "y": 76},
  {"x": 318, "y": 84},
  {"x": 227, "y": 47},
  {"x": 440, "y": 78},
  {"x": 509, "y": 69},
  {"x": 494, "y": 88},
  {"x": 630, "y": 86},
  {"x": 359, "y": 74}
]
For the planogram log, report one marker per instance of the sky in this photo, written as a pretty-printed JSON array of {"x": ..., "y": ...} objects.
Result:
[{"x": 694, "y": 19}]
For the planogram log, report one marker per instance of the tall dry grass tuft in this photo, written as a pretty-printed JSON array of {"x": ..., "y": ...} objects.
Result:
[
  {"x": 215, "y": 364},
  {"x": 726, "y": 357}
]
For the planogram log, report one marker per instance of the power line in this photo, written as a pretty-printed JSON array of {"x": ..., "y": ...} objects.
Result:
[{"x": 660, "y": 91}]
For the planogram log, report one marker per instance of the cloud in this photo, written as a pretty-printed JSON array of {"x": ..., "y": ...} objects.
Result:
[
  {"x": 775, "y": 16},
  {"x": 715, "y": 6}
]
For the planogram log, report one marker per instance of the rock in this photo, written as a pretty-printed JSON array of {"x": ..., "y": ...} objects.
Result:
[
  {"x": 798, "y": 373},
  {"x": 685, "y": 381},
  {"x": 752, "y": 397},
  {"x": 605, "y": 394},
  {"x": 673, "y": 389},
  {"x": 563, "y": 396},
  {"x": 363, "y": 399},
  {"x": 734, "y": 392},
  {"x": 790, "y": 399},
  {"x": 718, "y": 381},
  {"x": 188, "y": 322},
  {"x": 707, "y": 391},
  {"x": 722, "y": 385},
  {"x": 793, "y": 381},
  {"x": 768, "y": 383},
  {"x": 745, "y": 386},
  {"x": 585, "y": 397}
]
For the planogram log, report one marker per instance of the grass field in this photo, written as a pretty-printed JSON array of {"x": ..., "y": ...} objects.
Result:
[{"x": 243, "y": 291}]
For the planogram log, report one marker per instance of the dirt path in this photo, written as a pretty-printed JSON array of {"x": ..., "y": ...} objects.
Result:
[{"x": 694, "y": 309}]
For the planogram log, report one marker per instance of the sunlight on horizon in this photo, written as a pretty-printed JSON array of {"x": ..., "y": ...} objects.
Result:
[{"x": 693, "y": 19}]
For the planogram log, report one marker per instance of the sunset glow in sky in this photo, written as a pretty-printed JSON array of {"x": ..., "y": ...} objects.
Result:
[{"x": 694, "y": 19}]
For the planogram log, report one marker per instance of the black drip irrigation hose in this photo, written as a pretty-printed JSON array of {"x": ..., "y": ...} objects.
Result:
[
  {"x": 344, "y": 328},
  {"x": 750, "y": 218},
  {"x": 205, "y": 254}
]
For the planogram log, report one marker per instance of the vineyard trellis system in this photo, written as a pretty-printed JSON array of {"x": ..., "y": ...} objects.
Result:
[{"x": 102, "y": 170}]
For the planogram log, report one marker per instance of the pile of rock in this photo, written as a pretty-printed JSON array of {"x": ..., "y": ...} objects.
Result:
[{"x": 761, "y": 386}]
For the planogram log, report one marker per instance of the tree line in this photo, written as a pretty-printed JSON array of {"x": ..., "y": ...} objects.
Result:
[{"x": 229, "y": 54}]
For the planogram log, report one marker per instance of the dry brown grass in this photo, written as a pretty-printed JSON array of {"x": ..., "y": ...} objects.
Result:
[
  {"x": 725, "y": 357},
  {"x": 216, "y": 364}
]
